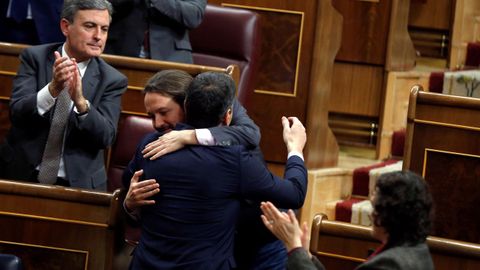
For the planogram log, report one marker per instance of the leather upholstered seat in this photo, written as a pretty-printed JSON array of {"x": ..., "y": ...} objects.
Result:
[
  {"x": 229, "y": 36},
  {"x": 130, "y": 131}
]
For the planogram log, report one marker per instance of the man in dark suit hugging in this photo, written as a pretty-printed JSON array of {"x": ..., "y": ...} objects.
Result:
[{"x": 191, "y": 225}]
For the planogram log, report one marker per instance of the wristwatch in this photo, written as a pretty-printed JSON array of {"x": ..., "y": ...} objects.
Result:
[{"x": 87, "y": 103}]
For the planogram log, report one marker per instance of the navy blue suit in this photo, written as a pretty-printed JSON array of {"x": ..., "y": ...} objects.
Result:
[
  {"x": 192, "y": 223},
  {"x": 44, "y": 27}
]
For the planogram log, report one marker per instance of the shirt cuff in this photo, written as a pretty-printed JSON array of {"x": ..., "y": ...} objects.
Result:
[
  {"x": 295, "y": 153},
  {"x": 204, "y": 137},
  {"x": 45, "y": 100}
]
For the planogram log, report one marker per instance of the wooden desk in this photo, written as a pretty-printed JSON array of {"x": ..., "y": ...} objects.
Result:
[
  {"x": 343, "y": 246},
  {"x": 51, "y": 227}
]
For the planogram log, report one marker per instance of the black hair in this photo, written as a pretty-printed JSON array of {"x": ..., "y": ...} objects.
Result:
[
  {"x": 208, "y": 99},
  {"x": 402, "y": 206}
]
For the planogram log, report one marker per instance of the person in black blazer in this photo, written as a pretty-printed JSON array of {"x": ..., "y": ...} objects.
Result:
[
  {"x": 401, "y": 221},
  {"x": 40, "y": 28},
  {"x": 192, "y": 198},
  {"x": 255, "y": 246},
  {"x": 154, "y": 29},
  {"x": 95, "y": 90}
]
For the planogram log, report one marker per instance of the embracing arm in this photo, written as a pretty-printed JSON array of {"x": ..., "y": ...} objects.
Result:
[
  {"x": 139, "y": 191},
  {"x": 260, "y": 184},
  {"x": 242, "y": 131}
]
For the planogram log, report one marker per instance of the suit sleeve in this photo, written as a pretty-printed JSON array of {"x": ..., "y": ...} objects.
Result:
[
  {"x": 23, "y": 103},
  {"x": 298, "y": 259},
  {"x": 257, "y": 183},
  {"x": 242, "y": 130},
  {"x": 188, "y": 13},
  {"x": 100, "y": 125}
]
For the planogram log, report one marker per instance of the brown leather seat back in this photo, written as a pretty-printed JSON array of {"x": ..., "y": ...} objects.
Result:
[
  {"x": 229, "y": 36},
  {"x": 130, "y": 131}
]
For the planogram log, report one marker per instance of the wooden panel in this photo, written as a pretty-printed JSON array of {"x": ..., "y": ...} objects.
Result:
[
  {"x": 292, "y": 43},
  {"x": 395, "y": 107},
  {"x": 443, "y": 145},
  {"x": 450, "y": 177},
  {"x": 52, "y": 227},
  {"x": 466, "y": 28},
  {"x": 375, "y": 40},
  {"x": 434, "y": 14},
  {"x": 49, "y": 258},
  {"x": 400, "y": 51},
  {"x": 357, "y": 89},
  {"x": 341, "y": 245},
  {"x": 365, "y": 30},
  {"x": 281, "y": 48}
]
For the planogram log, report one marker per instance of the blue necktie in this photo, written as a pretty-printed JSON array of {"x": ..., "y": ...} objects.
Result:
[{"x": 19, "y": 9}]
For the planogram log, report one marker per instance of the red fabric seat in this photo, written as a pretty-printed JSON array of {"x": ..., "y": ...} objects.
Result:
[
  {"x": 398, "y": 143},
  {"x": 343, "y": 209},
  {"x": 361, "y": 177},
  {"x": 473, "y": 55},
  {"x": 472, "y": 61}
]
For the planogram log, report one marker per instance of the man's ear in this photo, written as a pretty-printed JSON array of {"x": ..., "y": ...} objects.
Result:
[
  {"x": 64, "y": 23},
  {"x": 227, "y": 118}
]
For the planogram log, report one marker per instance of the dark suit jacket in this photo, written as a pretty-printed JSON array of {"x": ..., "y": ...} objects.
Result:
[
  {"x": 192, "y": 224},
  {"x": 167, "y": 21},
  {"x": 85, "y": 140},
  {"x": 402, "y": 258},
  {"x": 46, "y": 18},
  {"x": 396, "y": 258}
]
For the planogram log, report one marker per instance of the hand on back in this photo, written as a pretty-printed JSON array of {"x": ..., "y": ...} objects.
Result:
[
  {"x": 139, "y": 191},
  {"x": 169, "y": 142}
]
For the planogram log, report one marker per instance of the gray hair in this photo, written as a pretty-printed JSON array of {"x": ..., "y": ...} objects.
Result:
[{"x": 71, "y": 7}]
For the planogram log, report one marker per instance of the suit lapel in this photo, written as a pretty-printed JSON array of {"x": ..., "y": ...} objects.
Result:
[{"x": 90, "y": 80}]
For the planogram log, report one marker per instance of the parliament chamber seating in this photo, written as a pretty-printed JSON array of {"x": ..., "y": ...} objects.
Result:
[
  {"x": 53, "y": 227},
  {"x": 443, "y": 145},
  {"x": 472, "y": 62},
  {"x": 341, "y": 245},
  {"x": 131, "y": 129},
  {"x": 229, "y": 36},
  {"x": 354, "y": 205}
]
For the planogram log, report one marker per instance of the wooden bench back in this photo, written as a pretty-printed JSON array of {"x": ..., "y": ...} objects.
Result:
[
  {"x": 340, "y": 245},
  {"x": 443, "y": 145}
]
